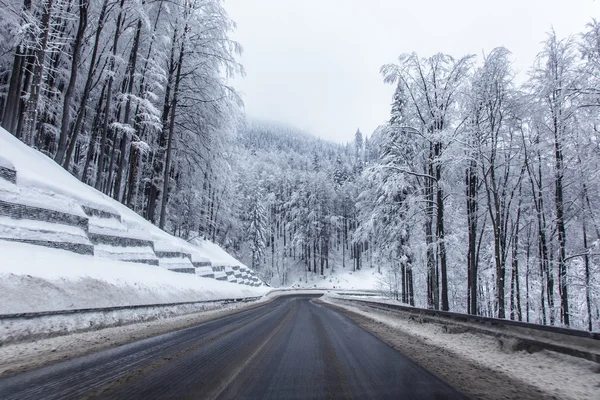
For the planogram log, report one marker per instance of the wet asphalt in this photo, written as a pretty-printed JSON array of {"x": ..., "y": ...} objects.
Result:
[{"x": 291, "y": 348}]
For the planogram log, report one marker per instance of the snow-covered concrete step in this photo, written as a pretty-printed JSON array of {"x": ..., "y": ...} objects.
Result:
[
  {"x": 171, "y": 254},
  {"x": 119, "y": 241},
  {"x": 139, "y": 254},
  {"x": 184, "y": 270},
  {"x": 58, "y": 236},
  {"x": 237, "y": 273},
  {"x": 220, "y": 275},
  {"x": 205, "y": 272},
  {"x": 199, "y": 264},
  {"x": 7, "y": 171},
  {"x": 231, "y": 278},
  {"x": 95, "y": 211},
  {"x": 28, "y": 212},
  {"x": 177, "y": 264},
  {"x": 218, "y": 268},
  {"x": 78, "y": 248}
]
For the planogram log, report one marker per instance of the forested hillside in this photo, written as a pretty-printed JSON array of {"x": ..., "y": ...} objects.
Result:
[
  {"x": 130, "y": 96},
  {"x": 478, "y": 195},
  {"x": 485, "y": 192},
  {"x": 296, "y": 201}
]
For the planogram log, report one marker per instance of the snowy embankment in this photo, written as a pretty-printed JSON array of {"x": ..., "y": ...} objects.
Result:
[
  {"x": 64, "y": 245},
  {"x": 479, "y": 365},
  {"x": 50, "y": 279}
]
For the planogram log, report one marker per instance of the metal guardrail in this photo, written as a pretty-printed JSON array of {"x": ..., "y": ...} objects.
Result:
[
  {"x": 33, "y": 315},
  {"x": 484, "y": 320},
  {"x": 534, "y": 337}
]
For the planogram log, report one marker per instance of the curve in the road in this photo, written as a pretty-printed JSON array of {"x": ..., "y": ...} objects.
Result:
[{"x": 291, "y": 348}]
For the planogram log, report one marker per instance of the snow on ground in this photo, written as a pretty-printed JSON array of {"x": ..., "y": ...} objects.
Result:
[
  {"x": 364, "y": 279},
  {"x": 4, "y": 163},
  {"x": 40, "y": 177},
  {"x": 41, "y": 230},
  {"x": 38, "y": 171},
  {"x": 20, "y": 357},
  {"x": 34, "y": 278},
  {"x": 214, "y": 253},
  {"x": 551, "y": 374}
]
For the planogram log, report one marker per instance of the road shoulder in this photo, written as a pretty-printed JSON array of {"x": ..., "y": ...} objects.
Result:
[
  {"x": 484, "y": 372},
  {"x": 21, "y": 357}
]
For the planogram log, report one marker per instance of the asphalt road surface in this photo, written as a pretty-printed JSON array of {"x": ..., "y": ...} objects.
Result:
[{"x": 291, "y": 348}]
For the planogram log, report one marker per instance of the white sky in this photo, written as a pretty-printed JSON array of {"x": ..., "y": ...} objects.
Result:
[{"x": 314, "y": 64}]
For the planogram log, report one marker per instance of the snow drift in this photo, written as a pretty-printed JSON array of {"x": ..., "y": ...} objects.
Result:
[{"x": 131, "y": 257}]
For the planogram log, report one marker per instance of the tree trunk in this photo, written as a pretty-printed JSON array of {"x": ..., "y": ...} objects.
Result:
[
  {"x": 31, "y": 110},
  {"x": 586, "y": 260},
  {"x": 86, "y": 90},
  {"x": 560, "y": 225},
  {"x": 157, "y": 164},
  {"x": 441, "y": 239},
  {"x": 472, "y": 209},
  {"x": 167, "y": 168},
  {"x": 65, "y": 120},
  {"x": 432, "y": 280},
  {"x": 13, "y": 97},
  {"x": 107, "y": 108},
  {"x": 94, "y": 138},
  {"x": 131, "y": 66}
]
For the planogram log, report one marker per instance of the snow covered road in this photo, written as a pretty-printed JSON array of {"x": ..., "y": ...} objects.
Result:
[{"x": 289, "y": 348}]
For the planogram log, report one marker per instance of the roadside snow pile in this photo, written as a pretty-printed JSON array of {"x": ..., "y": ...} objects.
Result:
[
  {"x": 465, "y": 359},
  {"x": 34, "y": 278},
  {"x": 90, "y": 250}
]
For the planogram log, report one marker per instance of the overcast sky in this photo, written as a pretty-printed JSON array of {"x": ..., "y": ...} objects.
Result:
[{"x": 314, "y": 64}]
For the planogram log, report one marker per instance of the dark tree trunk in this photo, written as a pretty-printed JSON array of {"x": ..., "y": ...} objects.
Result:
[
  {"x": 586, "y": 263},
  {"x": 167, "y": 168},
  {"x": 108, "y": 111},
  {"x": 13, "y": 97},
  {"x": 69, "y": 93},
  {"x": 441, "y": 240},
  {"x": 560, "y": 225},
  {"x": 31, "y": 109},
  {"x": 131, "y": 66},
  {"x": 157, "y": 164},
  {"x": 472, "y": 209},
  {"x": 94, "y": 138},
  {"x": 86, "y": 91},
  {"x": 432, "y": 281}
]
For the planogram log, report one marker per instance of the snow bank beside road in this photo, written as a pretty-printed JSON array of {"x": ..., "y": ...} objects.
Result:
[
  {"x": 34, "y": 279},
  {"x": 476, "y": 364},
  {"x": 43, "y": 183},
  {"x": 50, "y": 207}
]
